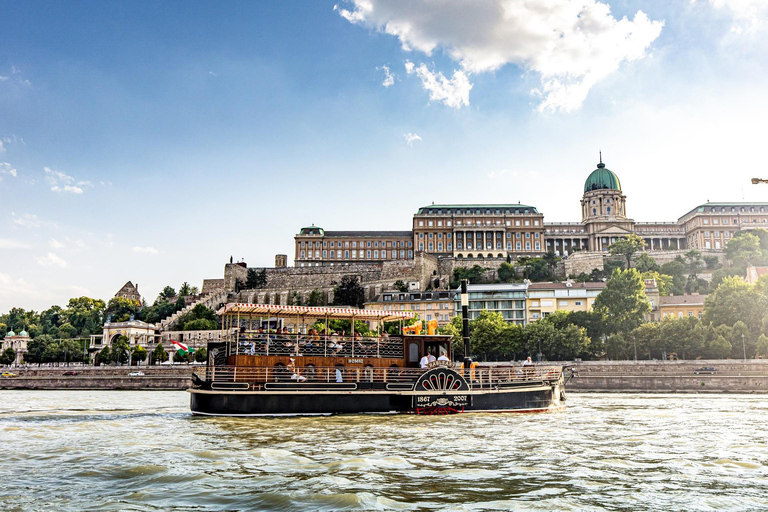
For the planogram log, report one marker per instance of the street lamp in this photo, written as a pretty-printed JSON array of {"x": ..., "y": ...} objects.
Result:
[
  {"x": 539, "y": 354},
  {"x": 744, "y": 346},
  {"x": 635, "y": 343},
  {"x": 755, "y": 181}
]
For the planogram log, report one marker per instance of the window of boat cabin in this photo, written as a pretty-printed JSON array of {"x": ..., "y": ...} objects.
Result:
[{"x": 413, "y": 352}]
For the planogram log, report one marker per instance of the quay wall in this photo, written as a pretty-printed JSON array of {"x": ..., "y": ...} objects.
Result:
[
  {"x": 671, "y": 377},
  {"x": 102, "y": 378}
]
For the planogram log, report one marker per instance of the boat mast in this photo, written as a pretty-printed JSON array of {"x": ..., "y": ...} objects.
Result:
[{"x": 465, "y": 325}]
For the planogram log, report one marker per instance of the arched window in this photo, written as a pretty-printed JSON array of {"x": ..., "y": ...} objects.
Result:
[
  {"x": 594, "y": 211},
  {"x": 608, "y": 210}
]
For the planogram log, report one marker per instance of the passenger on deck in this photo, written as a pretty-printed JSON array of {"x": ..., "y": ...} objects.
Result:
[
  {"x": 295, "y": 375},
  {"x": 443, "y": 357},
  {"x": 431, "y": 357},
  {"x": 528, "y": 368},
  {"x": 424, "y": 361}
]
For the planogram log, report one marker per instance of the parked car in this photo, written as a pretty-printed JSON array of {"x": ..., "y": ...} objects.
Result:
[
  {"x": 136, "y": 374},
  {"x": 71, "y": 372},
  {"x": 8, "y": 375},
  {"x": 710, "y": 370}
]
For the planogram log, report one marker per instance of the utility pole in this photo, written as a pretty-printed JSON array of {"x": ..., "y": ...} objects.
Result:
[
  {"x": 465, "y": 327},
  {"x": 635, "y": 342},
  {"x": 744, "y": 346}
]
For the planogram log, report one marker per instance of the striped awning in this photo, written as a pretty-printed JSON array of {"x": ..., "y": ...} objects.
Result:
[{"x": 274, "y": 310}]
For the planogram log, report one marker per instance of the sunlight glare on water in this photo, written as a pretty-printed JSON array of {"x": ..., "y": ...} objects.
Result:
[{"x": 143, "y": 451}]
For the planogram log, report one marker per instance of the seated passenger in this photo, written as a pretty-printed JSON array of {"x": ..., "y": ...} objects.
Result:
[
  {"x": 295, "y": 374},
  {"x": 443, "y": 356},
  {"x": 424, "y": 362}
]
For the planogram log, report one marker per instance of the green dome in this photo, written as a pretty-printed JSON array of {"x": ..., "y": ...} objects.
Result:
[
  {"x": 602, "y": 178},
  {"x": 11, "y": 333},
  {"x": 24, "y": 334}
]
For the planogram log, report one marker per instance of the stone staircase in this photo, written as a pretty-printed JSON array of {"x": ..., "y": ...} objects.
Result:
[{"x": 210, "y": 301}]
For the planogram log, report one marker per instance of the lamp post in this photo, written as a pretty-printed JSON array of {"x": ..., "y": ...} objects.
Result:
[
  {"x": 755, "y": 181},
  {"x": 634, "y": 341},
  {"x": 538, "y": 356},
  {"x": 465, "y": 327},
  {"x": 744, "y": 346}
]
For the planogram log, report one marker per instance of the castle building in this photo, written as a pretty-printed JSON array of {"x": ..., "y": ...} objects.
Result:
[
  {"x": 509, "y": 231},
  {"x": 18, "y": 342},
  {"x": 129, "y": 291}
]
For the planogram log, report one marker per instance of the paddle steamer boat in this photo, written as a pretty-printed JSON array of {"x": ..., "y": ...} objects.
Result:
[{"x": 302, "y": 372}]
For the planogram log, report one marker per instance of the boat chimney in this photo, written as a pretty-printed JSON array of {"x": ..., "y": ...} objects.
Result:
[{"x": 465, "y": 326}]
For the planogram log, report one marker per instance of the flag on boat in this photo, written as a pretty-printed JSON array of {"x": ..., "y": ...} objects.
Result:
[{"x": 181, "y": 347}]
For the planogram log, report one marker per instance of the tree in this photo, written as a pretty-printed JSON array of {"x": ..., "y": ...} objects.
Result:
[
  {"x": 474, "y": 275},
  {"x": 645, "y": 263},
  {"x": 167, "y": 293},
  {"x": 8, "y": 356},
  {"x": 735, "y": 300},
  {"x": 104, "y": 357},
  {"x": 744, "y": 249},
  {"x": 119, "y": 350},
  {"x": 349, "y": 292},
  {"x": 627, "y": 247},
  {"x": 71, "y": 350},
  {"x": 623, "y": 301},
  {"x": 36, "y": 349},
  {"x": 86, "y": 315},
  {"x": 121, "y": 309},
  {"x": 201, "y": 318},
  {"x": 187, "y": 290},
  {"x": 676, "y": 269},
  {"x": 490, "y": 336},
  {"x": 551, "y": 259},
  {"x": 138, "y": 354},
  {"x": 695, "y": 263},
  {"x": 256, "y": 278},
  {"x": 159, "y": 355},
  {"x": 400, "y": 286},
  {"x": 663, "y": 281},
  {"x": 201, "y": 355},
  {"x": 316, "y": 298},
  {"x": 506, "y": 273}
]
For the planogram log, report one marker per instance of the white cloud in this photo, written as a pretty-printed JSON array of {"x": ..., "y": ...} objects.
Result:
[
  {"x": 7, "y": 243},
  {"x": 7, "y": 170},
  {"x": 569, "y": 44},
  {"x": 748, "y": 15},
  {"x": 2, "y": 149},
  {"x": 211, "y": 73},
  {"x": 62, "y": 182},
  {"x": 496, "y": 174},
  {"x": 56, "y": 244},
  {"x": 453, "y": 92},
  {"x": 410, "y": 138},
  {"x": 27, "y": 220},
  {"x": 389, "y": 78},
  {"x": 50, "y": 260},
  {"x": 145, "y": 250}
]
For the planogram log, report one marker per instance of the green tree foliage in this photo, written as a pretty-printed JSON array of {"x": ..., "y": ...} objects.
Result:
[
  {"x": 256, "y": 278},
  {"x": 644, "y": 262},
  {"x": 138, "y": 354},
  {"x": 86, "y": 315},
  {"x": 623, "y": 302},
  {"x": 120, "y": 349},
  {"x": 507, "y": 273},
  {"x": 104, "y": 356},
  {"x": 551, "y": 259},
  {"x": 8, "y": 356},
  {"x": 121, "y": 309},
  {"x": 627, "y": 247},
  {"x": 167, "y": 293},
  {"x": 492, "y": 338},
  {"x": 535, "y": 269},
  {"x": 186, "y": 290},
  {"x": 349, "y": 292},
  {"x": 400, "y": 286},
  {"x": 201, "y": 355},
  {"x": 734, "y": 300},
  {"x": 159, "y": 355},
  {"x": 663, "y": 281},
  {"x": 316, "y": 298},
  {"x": 744, "y": 249},
  {"x": 200, "y": 318},
  {"x": 712, "y": 262},
  {"x": 474, "y": 275},
  {"x": 676, "y": 269}
]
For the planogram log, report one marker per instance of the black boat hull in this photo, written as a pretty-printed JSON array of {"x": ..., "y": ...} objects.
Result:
[{"x": 529, "y": 397}]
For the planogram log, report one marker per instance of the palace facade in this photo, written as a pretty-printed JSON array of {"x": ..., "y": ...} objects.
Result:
[{"x": 501, "y": 231}]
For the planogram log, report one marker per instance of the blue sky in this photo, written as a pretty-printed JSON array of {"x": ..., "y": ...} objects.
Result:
[{"x": 149, "y": 141}]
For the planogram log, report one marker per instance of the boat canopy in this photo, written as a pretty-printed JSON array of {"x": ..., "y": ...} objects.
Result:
[{"x": 303, "y": 312}]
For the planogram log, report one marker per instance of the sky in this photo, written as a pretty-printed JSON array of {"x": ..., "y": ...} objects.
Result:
[{"x": 150, "y": 141}]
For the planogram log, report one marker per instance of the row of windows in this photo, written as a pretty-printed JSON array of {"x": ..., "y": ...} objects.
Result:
[
  {"x": 439, "y": 223},
  {"x": 718, "y": 234},
  {"x": 362, "y": 244},
  {"x": 742, "y": 209},
  {"x": 679, "y": 314},
  {"x": 476, "y": 211},
  {"x": 355, "y": 254},
  {"x": 489, "y": 246}
]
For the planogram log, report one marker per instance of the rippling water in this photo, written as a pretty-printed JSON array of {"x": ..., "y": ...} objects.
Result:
[{"x": 143, "y": 451}]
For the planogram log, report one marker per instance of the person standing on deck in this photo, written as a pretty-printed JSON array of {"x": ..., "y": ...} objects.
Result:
[{"x": 424, "y": 361}]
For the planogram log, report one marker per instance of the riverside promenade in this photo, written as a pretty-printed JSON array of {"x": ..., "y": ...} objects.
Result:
[
  {"x": 176, "y": 377},
  {"x": 729, "y": 376}
]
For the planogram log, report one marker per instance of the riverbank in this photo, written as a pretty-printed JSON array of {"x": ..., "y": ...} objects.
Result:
[
  {"x": 159, "y": 378},
  {"x": 728, "y": 376}
]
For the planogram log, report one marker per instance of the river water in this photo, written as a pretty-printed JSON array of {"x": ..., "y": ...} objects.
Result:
[{"x": 143, "y": 451}]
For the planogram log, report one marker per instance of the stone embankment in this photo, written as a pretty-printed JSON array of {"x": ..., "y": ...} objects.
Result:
[
  {"x": 729, "y": 376},
  {"x": 106, "y": 378}
]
